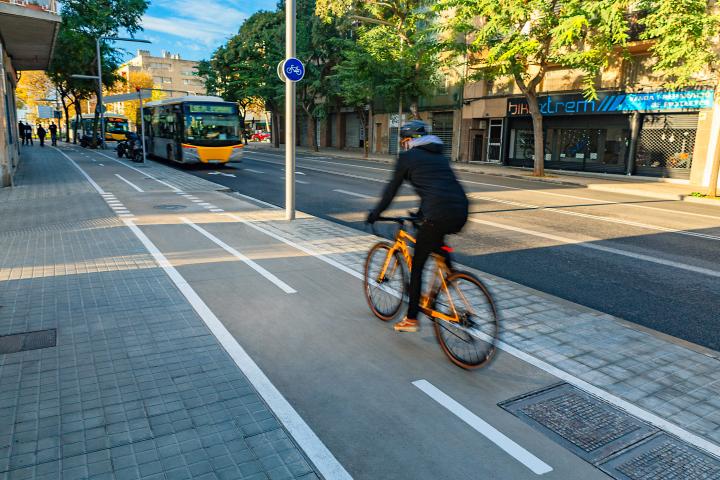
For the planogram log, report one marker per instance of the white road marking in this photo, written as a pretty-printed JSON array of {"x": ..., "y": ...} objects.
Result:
[
  {"x": 253, "y": 199},
  {"x": 145, "y": 174},
  {"x": 101, "y": 164},
  {"x": 197, "y": 200},
  {"x": 561, "y": 211},
  {"x": 552, "y": 370},
  {"x": 313, "y": 447},
  {"x": 129, "y": 182},
  {"x": 303, "y": 435},
  {"x": 269, "y": 276},
  {"x": 532, "y": 462},
  {"x": 594, "y": 246},
  {"x": 84, "y": 174},
  {"x": 473, "y": 182},
  {"x": 205, "y": 204},
  {"x": 252, "y": 171},
  {"x": 352, "y": 194},
  {"x": 217, "y": 210},
  {"x": 221, "y": 173},
  {"x": 302, "y": 182}
]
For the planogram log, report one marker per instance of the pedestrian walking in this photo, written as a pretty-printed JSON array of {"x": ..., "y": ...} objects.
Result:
[
  {"x": 53, "y": 133},
  {"x": 21, "y": 132},
  {"x": 41, "y": 132},
  {"x": 28, "y": 133}
]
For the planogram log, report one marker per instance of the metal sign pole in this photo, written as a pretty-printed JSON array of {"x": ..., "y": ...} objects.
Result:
[
  {"x": 289, "y": 114},
  {"x": 100, "y": 95},
  {"x": 142, "y": 124}
]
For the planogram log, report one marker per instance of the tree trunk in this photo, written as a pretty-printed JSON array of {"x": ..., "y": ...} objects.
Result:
[
  {"x": 78, "y": 119},
  {"x": 312, "y": 128},
  {"x": 538, "y": 136},
  {"x": 66, "y": 110},
  {"x": 363, "y": 125}
]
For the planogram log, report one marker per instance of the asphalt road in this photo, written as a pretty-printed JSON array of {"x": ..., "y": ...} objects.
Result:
[{"x": 652, "y": 262}]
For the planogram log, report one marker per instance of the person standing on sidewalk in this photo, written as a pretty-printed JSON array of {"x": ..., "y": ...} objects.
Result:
[
  {"x": 28, "y": 133},
  {"x": 21, "y": 131},
  {"x": 41, "y": 134},
  {"x": 53, "y": 134}
]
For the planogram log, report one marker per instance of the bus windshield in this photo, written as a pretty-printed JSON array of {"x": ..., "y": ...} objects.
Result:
[
  {"x": 116, "y": 125},
  {"x": 212, "y": 122}
]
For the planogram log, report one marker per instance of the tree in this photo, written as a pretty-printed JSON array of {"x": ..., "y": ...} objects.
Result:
[
  {"x": 85, "y": 21},
  {"x": 400, "y": 34},
  {"x": 33, "y": 86},
  {"x": 523, "y": 40},
  {"x": 683, "y": 35},
  {"x": 244, "y": 69},
  {"x": 135, "y": 81}
]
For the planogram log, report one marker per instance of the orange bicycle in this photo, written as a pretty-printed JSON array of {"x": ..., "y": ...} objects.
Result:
[{"x": 458, "y": 303}]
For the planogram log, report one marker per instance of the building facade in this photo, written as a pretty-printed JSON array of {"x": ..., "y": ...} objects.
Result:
[
  {"x": 168, "y": 71},
  {"x": 634, "y": 127},
  {"x": 28, "y": 30}
]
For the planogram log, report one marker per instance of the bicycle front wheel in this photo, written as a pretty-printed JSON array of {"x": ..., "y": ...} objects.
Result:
[
  {"x": 470, "y": 342},
  {"x": 384, "y": 281}
]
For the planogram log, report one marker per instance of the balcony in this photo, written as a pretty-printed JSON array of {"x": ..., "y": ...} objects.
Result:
[{"x": 28, "y": 29}]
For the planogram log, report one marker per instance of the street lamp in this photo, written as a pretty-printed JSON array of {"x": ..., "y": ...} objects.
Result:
[{"x": 98, "y": 77}]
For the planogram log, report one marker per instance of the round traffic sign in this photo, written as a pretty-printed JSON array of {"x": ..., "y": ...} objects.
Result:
[{"x": 293, "y": 69}]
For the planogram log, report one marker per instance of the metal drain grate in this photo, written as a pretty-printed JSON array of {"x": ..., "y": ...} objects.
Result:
[
  {"x": 170, "y": 207},
  {"x": 585, "y": 425},
  {"x": 21, "y": 342},
  {"x": 662, "y": 458}
]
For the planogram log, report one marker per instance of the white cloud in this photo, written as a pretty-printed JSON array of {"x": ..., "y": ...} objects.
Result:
[{"x": 208, "y": 22}]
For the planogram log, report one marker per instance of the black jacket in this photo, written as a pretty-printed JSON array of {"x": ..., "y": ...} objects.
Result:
[{"x": 430, "y": 174}]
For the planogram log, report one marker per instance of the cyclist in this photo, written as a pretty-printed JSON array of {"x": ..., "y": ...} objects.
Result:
[{"x": 443, "y": 204}]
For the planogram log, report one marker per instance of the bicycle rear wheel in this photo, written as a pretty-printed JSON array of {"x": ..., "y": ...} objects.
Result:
[
  {"x": 470, "y": 343},
  {"x": 384, "y": 294}
]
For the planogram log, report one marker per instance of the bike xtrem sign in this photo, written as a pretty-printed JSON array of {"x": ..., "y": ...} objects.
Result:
[{"x": 291, "y": 69}]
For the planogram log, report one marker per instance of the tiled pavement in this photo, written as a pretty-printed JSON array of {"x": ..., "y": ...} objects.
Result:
[
  {"x": 679, "y": 384},
  {"x": 137, "y": 387}
]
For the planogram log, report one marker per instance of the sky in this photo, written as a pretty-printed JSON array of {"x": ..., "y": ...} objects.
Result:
[{"x": 193, "y": 28}]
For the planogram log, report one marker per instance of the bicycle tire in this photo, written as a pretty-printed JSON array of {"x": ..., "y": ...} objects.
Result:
[
  {"x": 394, "y": 294},
  {"x": 478, "y": 331}
]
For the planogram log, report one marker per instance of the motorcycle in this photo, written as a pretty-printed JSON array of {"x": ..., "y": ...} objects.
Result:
[{"x": 131, "y": 147}]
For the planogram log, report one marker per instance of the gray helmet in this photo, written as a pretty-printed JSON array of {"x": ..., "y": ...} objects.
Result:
[{"x": 414, "y": 129}]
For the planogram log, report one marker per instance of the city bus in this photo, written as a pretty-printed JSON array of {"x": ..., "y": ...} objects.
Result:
[
  {"x": 116, "y": 126},
  {"x": 193, "y": 129}
]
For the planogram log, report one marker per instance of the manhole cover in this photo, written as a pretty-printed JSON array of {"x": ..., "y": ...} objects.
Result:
[
  {"x": 662, "y": 458},
  {"x": 170, "y": 207},
  {"x": 585, "y": 425},
  {"x": 21, "y": 342}
]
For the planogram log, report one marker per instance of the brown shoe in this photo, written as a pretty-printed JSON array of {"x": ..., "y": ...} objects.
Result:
[{"x": 407, "y": 325}]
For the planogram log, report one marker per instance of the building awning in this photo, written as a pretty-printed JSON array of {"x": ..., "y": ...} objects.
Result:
[{"x": 28, "y": 33}]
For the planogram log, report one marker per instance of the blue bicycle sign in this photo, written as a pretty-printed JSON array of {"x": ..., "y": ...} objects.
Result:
[{"x": 294, "y": 69}]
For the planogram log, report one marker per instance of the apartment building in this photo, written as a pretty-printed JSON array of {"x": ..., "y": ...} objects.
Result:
[
  {"x": 28, "y": 29},
  {"x": 169, "y": 72}
]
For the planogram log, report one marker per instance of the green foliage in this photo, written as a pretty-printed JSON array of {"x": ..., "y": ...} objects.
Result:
[
  {"x": 524, "y": 39},
  {"x": 682, "y": 34},
  {"x": 398, "y": 37}
]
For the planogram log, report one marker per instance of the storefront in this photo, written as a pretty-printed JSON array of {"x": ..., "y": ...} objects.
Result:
[{"x": 638, "y": 133}]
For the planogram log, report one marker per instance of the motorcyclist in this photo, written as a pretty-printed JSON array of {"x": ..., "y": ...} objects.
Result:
[{"x": 443, "y": 204}]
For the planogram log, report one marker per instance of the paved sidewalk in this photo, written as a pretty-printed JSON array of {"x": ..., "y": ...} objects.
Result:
[
  {"x": 136, "y": 386},
  {"x": 663, "y": 189}
]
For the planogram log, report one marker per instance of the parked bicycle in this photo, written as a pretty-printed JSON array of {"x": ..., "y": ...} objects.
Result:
[{"x": 458, "y": 303}]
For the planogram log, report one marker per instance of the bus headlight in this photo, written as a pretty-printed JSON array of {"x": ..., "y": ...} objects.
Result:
[
  {"x": 237, "y": 153},
  {"x": 190, "y": 154}
]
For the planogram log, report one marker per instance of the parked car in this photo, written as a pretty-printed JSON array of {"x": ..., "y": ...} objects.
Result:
[{"x": 260, "y": 137}]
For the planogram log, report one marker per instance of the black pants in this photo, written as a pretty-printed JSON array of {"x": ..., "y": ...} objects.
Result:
[
  {"x": 430, "y": 237},
  {"x": 54, "y": 139},
  {"x": 29, "y": 139},
  {"x": 42, "y": 141}
]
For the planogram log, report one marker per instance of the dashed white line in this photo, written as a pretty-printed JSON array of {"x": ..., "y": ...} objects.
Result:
[
  {"x": 253, "y": 199},
  {"x": 145, "y": 174},
  {"x": 129, "y": 182},
  {"x": 523, "y": 456},
  {"x": 217, "y": 210},
  {"x": 269, "y": 276},
  {"x": 353, "y": 194},
  {"x": 253, "y": 171}
]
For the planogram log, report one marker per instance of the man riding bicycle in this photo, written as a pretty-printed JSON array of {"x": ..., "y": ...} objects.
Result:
[{"x": 443, "y": 204}]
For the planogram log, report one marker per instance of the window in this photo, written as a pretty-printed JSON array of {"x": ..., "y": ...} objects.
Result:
[
  {"x": 167, "y": 80},
  {"x": 188, "y": 73},
  {"x": 157, "y": 79},
  {"x": 159, "y": 65}
]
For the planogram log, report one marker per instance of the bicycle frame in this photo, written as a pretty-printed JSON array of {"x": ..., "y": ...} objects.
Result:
[{"x": 402, "y": 239}]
